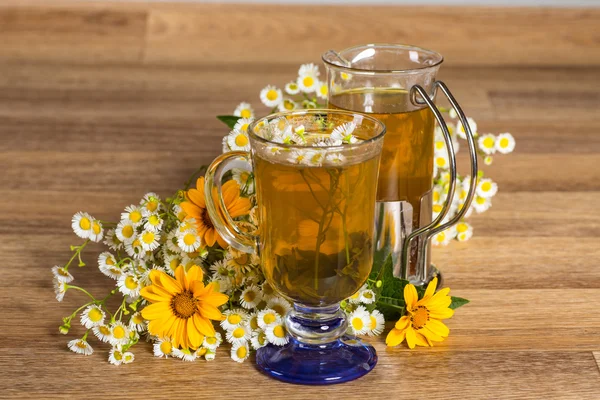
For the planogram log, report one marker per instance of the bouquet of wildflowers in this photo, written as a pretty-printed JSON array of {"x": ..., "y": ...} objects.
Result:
[{"x": 182, "y": 287}]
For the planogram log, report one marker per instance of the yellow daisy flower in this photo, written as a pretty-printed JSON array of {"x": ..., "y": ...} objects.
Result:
[
  {"x": 183, "y": 307},
  {"x": 422, "y": 323},
  {"x": 244, "y": 110},
  {"x": 195, "y": 207}
]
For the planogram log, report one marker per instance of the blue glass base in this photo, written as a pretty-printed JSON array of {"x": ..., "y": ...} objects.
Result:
[{"x": 340, "y": 361}]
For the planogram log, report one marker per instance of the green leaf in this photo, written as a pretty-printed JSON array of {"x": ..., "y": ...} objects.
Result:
[
  {"x": 458, "y": 302},
  {"x": 229, "y": 120}
]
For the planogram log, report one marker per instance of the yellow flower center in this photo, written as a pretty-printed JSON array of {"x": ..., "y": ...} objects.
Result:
[
  {"x": 234, "y": 319},
  {"x": 127, "y": 231},
  {"x": 279, "y": 309},
  {"x": 148, "y": 237},
  {"x": 308, "y": 81},
  {"x": 440, "y": 162},
  {"x": 488, "y": 142},
  {"x": 293, "y": 86},
  {"x": 357, "y": 324},
  {"x": 323, "y": 90},
  {"x": 154, "y": 220},
  {"x": 85, "y": 223},
  {"x": 272, "y": 95},
  {"x": 189, "y": 239},
  {"x": 130, "y": 283},
  {"x": 269, "y": 318},
  {"x": 436, "y": 196},
  {"x": 419, "y": 317},
  {"x": 166, "y": 347},
  {"x": 242, "y": 260},
  {"x": 110, "y": 261},
  {"x": 439, "y": 145},
  {"x": 241, "y": 140},
  {"x": 486, "y": 186},
  {"x": 62, "y": 272},
  {"x": 504, "y": 142},
  {"x": 249, "y": 296},
  {"x": 267, "y": 289},
  {"x": 373, "y": 322},
  {"x": 96, "y": 228},
  {"x": 480, "y": 200},
  {"x": 138, "y": 319},
  {"x": 262, "y": 338},
  {"x": 245, "y": 113},
  {"x": 118, "y": 355},
  {"x": 238, "y": 333},
  {"x": 241, "y": 352},
  {"x": 118, "y": 332},
  {"x": 368, "y": 295},
  {"x": 104, "y": 330},
  {"x": 152, "y": 205},
  {"x": 437, "y": 208},
  {"x": 135, "y": 216},
  {"x": 254, "y": 323},
  {"x": 95, "y": 315},
  {"x": 441, "y": 236},
  {"x": 278, "y": 331},
  {"x": 184, "y": 304},
  {"x": 211, "y": 340},
  {"x": 460, "y": 228}
]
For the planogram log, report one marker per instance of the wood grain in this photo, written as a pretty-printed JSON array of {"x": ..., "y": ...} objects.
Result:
[{"x": 102, "y": 102}]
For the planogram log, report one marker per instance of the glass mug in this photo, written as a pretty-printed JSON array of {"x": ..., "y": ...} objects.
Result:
[
  {"x": 397, "y": 85},
  {"x": 316, "y": 211}
]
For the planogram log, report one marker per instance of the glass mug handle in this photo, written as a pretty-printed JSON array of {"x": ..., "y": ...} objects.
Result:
[
  {"x": 215, "y": 205},
  {"x": 434, "y": 227}
]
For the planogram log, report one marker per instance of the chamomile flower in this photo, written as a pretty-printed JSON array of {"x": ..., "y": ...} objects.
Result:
[
  {"x": 487, "y": 143},
  {"x": 233, "y": 319},
  {"x": 258, "y": 339},
  {"x": 185, "y": 354},
  {"x": 244, "y": 178},
  {"x": 92, "y": 316},
  {"x": 250, "y": 297},
  {"x": 189, "y": 241},
  {"x": 240, "y": 351},
  {"x": 102, "y": 332},
  {"x": 287, "y": 105},
  {"x": 377, "y": 323},
  {"x": 82, "y": 224},
  {"x": 481, "y": 204},
  {"x": 125, "y": 231},
  {"x": 486, "y": 188},
  {"x": 149, "y": 240},
  {"x": 163, "y": 348},
  {"x": 210, "y": 355},
  {"x": 277, "y": 334},
  {"x": 267, "y": 317},
  {"x": 97, "y": 231},
  {"x": 345, "y": 76},
  {"x": 367, "y": 296},
  {"x": 129, "y": 285},
  {"x": 292, "y": 88},
  {"x": 61, "y": 274},
  {"x": 441, "y": 160},
  {"x": 314, "y": 158},
  {"x": 112, "y": 241},
  {"x": 271, "y": 96},
  {"x": 297, "y": 157},
  {"x": 359, "y": 321},
  {"x": 238, "y": 141},
  {"x": 460, "y": 129},
  {"x": 137, "y": 322},
  {"x": 308, "y": 78},
  {"x": 179, "y": 213},
  {"x": 171, "y": 241},
  {"x": 335, "y": 159},
  {"x": 505, "y": 143},
  {"x": 244, "y": 110},
  {"x": 344, "y": 132},
  {"x": 134, "y": 249},
  {"x": 128, "y": 357},
  {"x": 115, "y": 356},
  {"x": 464, "y": 231},
  {"x": 441, "y": 239},
  {"x": 242, "y": 124},
  {"x": 239, "y": 334},
  {"x": 119, "y": 333},
  {"x": 212, "y": 342},
  {"x": 108, "y": 265},
  {"x": 80, "y": 346},
  {"x": 150, "y": 204},
  {"x": 309, "y": 69},
  {"x": 153, "y": 223},
  {"x": 132, "y": 214},
  {"x": 60, "y": 288},
  {"x": 279, "y": 305},
  {"x": 322, "y": 90},
  {"x": 253, "y": 320}
]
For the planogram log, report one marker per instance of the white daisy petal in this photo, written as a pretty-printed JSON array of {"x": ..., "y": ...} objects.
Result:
[
  {"x": 80, "y": 346},
  {"x": 277, "y": 334},
  {"x": 240, "y": 352}
]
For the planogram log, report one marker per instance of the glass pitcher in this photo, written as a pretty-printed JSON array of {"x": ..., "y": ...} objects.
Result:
[{"x": 397, "y": 85}]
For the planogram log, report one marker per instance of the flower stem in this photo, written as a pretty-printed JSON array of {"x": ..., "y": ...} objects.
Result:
[{"x": 77, "y": 253}]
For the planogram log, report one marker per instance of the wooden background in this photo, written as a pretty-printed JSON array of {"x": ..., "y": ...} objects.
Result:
[{"x": 101, "y": 102}]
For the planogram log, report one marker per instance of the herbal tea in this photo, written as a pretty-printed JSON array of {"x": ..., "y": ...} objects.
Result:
[
  {"x": 316, "y": 225},
  {"x": 406, "y": 168}
]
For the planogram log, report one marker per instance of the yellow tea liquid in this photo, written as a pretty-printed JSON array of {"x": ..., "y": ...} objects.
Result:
[
  {"x": 316, "y": 227},
  {"x": 406, "y": 168}
]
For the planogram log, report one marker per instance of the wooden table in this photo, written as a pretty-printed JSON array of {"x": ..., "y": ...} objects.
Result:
[{"x": 100, "y": 103}]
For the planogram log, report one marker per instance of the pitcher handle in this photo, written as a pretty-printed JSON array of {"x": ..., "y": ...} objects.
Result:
[
  {"x": 474, "y": 167},
  {"x": 417, "y": 89},
  {"x": 215, "y": 205}
]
